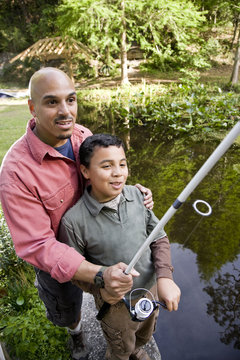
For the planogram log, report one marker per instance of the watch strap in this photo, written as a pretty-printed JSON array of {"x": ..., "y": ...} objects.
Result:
[{"x": 98, "y": 280}]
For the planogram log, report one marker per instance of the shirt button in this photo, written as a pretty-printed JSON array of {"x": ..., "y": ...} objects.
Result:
[{"x": 61, "y": 201}]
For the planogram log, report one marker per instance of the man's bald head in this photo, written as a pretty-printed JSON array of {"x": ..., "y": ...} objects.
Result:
[
  {"x": 53, "y": 104},
  {"x": 45, "y": 74}
]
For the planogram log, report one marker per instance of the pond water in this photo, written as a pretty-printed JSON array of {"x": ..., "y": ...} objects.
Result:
[{"x": 205, "y": 250}]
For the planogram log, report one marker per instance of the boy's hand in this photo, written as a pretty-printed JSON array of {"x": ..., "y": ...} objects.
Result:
[
  {"x": 148, "y": 200},
  {"x": 168, "y": 292},
  {"x": 117, "y": 284}
]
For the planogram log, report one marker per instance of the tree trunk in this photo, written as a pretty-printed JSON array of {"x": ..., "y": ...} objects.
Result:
[
  {"x": 236, "y": 22},
  {"x": 70, "y": 69},
  {"x": 234, "y": 77},
  {"x": 124, "y": 72}
]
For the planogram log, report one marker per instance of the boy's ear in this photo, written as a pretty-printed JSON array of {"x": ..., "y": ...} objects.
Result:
[
  {"x": 84, "y": 171},
  {"x": 31, "y": 107}
]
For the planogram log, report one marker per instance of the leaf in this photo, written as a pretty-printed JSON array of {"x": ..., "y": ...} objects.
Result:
[
  {"x": 236, "y": 167},
  {"x": 20, "y": 300}
]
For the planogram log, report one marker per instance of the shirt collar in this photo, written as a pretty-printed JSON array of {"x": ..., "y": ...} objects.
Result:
[
  {"x": 95, "y": 207},
  {"x": 37, "y": 147}
]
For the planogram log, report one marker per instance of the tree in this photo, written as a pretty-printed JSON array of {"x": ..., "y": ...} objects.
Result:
[
  {"x": 234, "y": 76},
  {"x": 124, "y": 74},
  {"x": 162, "y": 28}
]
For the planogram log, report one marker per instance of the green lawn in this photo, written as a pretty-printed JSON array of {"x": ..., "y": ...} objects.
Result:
[{"x": 13, "y": 121}]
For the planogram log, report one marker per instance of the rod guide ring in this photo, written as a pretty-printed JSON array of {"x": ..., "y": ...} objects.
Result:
[{"x": 200, "y": 212}]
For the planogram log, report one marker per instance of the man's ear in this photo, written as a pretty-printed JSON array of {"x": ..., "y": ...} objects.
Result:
[
  {"x": 31, "y": 107},
  {"x": 84, "y": 171}
]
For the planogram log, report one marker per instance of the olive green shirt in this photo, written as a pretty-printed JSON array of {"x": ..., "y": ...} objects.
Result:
[{"x": 106, "y": 236}]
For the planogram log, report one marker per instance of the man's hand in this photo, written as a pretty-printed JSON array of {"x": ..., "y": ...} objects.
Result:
[
  {"x": 109, "y": 298},
  {"x": 148, "y": 200},
  {"x": 117, "y": 284},
  {"x": 168, "y": 292}
]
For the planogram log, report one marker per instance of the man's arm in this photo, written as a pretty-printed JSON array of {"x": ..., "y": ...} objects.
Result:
[
  {"x": 32, "y": 235},
  {"x": 117, "y": 284}
]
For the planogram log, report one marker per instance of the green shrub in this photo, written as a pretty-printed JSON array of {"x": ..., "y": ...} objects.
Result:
[
  {"x": 19, "y": 72},
  {"x": 24, "y": 328},
  {"x": 187, "y": 108},
  {"x": 30, "y": 336}
]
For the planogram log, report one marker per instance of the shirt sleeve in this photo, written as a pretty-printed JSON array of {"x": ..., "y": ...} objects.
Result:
[
  {"x": 161, "y": 255},
  {"x": 32, "y": 235},
  {"x": 160, "y": 248}
]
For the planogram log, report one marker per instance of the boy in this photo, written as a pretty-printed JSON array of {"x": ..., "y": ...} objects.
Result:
[{"x": 109, "y": 224}]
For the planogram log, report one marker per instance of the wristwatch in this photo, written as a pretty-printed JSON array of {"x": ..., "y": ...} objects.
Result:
[{"x": 98, "y": 280}]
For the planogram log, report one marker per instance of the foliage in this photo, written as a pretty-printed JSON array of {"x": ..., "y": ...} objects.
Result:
[
  {"x": 173, "y": 34},
  {"x": 30, "y": 336},
  {"x": 187, "y": 108},
  {"x": 94, "y": 23},
  {"x": 21, "y": 22},
  {"x": 19, "y": 72},
  {"x": 10, "y": 263},
  {"x": 165, "y": 30},
  {"x": 221, "y": 11},
  {"x": 23, "y": 324}
]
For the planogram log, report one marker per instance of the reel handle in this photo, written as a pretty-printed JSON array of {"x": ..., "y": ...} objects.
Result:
[{"x": 103, "y": 310}]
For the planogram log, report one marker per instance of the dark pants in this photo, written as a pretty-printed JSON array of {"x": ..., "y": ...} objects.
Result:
[{"x": 62, "y": 300}]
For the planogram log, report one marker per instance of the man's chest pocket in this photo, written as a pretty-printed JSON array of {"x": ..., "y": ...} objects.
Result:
[{"x": 58, "y": 203}]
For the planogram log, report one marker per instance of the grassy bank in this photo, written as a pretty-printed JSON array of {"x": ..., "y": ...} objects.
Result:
[{"x": 13, "y": 120}]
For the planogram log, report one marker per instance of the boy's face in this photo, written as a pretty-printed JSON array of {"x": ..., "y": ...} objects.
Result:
[{"x": 107, "y": 172}]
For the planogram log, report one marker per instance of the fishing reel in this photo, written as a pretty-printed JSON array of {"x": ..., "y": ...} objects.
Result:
[{"x": 143, "y": 308}]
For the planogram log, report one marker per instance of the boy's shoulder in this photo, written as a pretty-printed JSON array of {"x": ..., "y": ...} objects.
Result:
[
  {"x": 74, "y": 212},
  {"x": 132, "y": 192}
]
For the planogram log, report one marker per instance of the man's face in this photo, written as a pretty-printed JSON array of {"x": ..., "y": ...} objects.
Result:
[
  {"x": 54, "y": 106},
  {"x": 107, "y": 172}
]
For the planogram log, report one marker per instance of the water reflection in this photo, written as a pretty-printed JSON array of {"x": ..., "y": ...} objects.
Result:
[
  {"x": 202, "y": 247},
  {"x": 225, "y": 305}
]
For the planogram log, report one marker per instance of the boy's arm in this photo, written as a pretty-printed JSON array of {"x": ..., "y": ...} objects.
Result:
[
  {"x": 161, "y": 255},
  {"x": 168, "y": 291}
]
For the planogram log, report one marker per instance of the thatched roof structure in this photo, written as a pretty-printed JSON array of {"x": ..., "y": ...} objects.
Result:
[{"x": 58, "y": 48}]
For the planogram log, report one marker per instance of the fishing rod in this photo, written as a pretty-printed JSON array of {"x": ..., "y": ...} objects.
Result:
[{"x": 202, "y": 172}]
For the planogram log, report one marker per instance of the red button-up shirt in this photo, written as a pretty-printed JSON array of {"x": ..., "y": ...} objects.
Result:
[{"x": 37, "y": 186}]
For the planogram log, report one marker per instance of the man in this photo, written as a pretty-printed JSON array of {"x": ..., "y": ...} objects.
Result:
[{"x": 39, "y": 181}]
